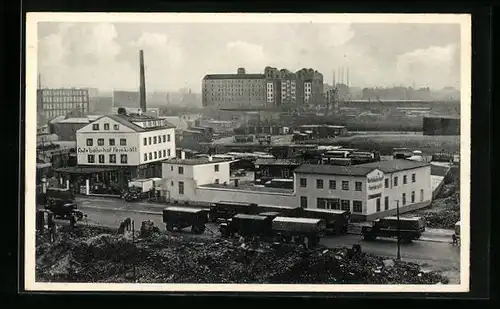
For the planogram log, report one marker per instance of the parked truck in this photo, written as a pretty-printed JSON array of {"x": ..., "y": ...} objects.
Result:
[
  {"x": 177, "y": 218},
  {"x": 288, "y": 228},
  {"x": 225, "y": 210},
  {"x": 247, "y": 226},
  {"x": 61, "y": 202},
  {"x": 408, "y": 229},
  {"x": 337, "y": 221}
]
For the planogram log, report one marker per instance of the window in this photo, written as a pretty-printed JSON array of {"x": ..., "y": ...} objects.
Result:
[
  {"x": 154, "y": 139},
  {"x": 159, "y": 139},
  {"x": 357, "y": 206},
  {"x": 150, "y": 156},
  {"x": 123, "y": 142},
  {"x": 164, "y": 152},
  {"x": 303, "y": 202},
  {"x": 413, "y": 196},
  {"x": 345, "y": 185},
  {"x": 106, "y": 126},
  {"x": 164, "y": 138},
  {"x": 421, "y": 195},
  {"x": 171, "y": 167},
  {"x": 345, "y": 205},
  {"x": 156, "y": 155},
  {"x": 217, "y": 180},
  {"x": 319, "y": 183},
  {"x": 404, "y": 199},
  {"x": 378, "y": 205},
  {"x": 333, "y": 185},
  {"x": 413, "y": 177},
  {"x": 123, "y": 158},
  {"x": 149, "y": 140},
  {"x": 168, "y": 137},
  {"x": 145, "y": 141},
  {"x": 181, "y": 187},
  {"x": 90, "y": 142},
  {"x": 386, "y": 203},
  {"x": 91, "y": 158},
  {"x": 303, "y": 182},
  {"x": 100, "y": 142},
  {"x": 111, "y": 142},
  {"x": 95, "y": 127},
  {"x": 116, "y": 127},
  {"x": 145, "y": 157},
  {"x": 404, "y": 180},
  {"x": 216, "y": 167},
  {"x": 101, "y": 158},
  {"x": 320, "y": 203},
  {"x": 386, "y": 182},
  {"x": 358, "y": 186},
  {"x": 159, "y": 153},
  {"x": 112, "y": 158},
  {"x": 396, "y": 181},
  {"x": 181, "y": 170}
]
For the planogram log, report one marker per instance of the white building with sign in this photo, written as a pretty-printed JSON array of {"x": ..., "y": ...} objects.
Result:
[
  {"x": 134, "y": 143},
  {"x": 369, "y": 191}
]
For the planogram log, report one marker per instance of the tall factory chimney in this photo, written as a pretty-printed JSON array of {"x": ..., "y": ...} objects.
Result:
[
  {"x": 142, "y": 89},
  {"x": 347, "y": 76},
  {"x": 333, "y": 82},
  {"x": 341, "y": 75}
]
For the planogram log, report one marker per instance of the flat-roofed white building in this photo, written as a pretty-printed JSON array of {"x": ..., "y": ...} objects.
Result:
[{"x": 368, "y": 191}]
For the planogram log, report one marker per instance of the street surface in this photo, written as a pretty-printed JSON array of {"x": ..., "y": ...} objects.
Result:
[{"x": 433, "y": 252}]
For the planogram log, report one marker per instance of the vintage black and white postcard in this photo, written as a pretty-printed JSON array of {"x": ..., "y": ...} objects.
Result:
[{"x": 247, "y": 152}]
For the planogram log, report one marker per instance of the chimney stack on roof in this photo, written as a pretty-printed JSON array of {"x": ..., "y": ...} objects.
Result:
[{"x": 142, "y": 89}]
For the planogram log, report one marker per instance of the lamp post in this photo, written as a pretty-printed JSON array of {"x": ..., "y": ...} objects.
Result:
[{"x": 399, "y": 231}]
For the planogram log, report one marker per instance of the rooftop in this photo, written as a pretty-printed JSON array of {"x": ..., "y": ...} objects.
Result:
[
  {"x": 265, "y": 161},
  {"x": 194, "y": 161},
  {"x": 75, "y": 120},
  {"x": 296, "y": 220},
  {"x": 248, "y": 186},
  {"x": 234, "y": 76},
  {"x": 391, "y": 166},
  {"x": 128, "y": 121}
]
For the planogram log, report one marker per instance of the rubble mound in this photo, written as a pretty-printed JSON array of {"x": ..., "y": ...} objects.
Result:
[
  {"x": 148, "y": 229},
  {"x": 175, "y": 259}
]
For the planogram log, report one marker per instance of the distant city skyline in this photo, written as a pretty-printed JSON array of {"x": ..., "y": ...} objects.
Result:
[{"x": 105, "y": 55}]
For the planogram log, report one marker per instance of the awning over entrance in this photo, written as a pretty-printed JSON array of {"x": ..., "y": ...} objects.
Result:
[{"x": 84, "y": 170}]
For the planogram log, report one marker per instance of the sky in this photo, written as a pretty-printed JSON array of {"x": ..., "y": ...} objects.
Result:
[{"x": 106, "y": 55}]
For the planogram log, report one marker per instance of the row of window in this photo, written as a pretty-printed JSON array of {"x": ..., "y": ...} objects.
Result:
[
  {"x": 69, "y": 92},
  {"x": 112, "y": 158},
  {"x": 396, "y": 180},
  {"x": 156, "y": 139},
  {"x": 334, "y": 203},
  {"x": 95, "y": 127},
  {"x": 157, "y": 154},
  {"x": 403, "y": 200},
  {"x": 111, "y": 142},
  {"x": 64, "y": 99},
  {"x": 180, "y": 169},
  {"x": 332, "y": 184}
]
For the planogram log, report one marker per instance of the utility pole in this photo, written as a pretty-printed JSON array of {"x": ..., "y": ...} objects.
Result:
[
  {"x": 133, "y": 242},
  {"x": 399, "y": 231}
]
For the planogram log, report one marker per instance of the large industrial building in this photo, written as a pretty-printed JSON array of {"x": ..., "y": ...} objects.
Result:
[
  {"x": 272, "y": 89},
  {"x": 59, "y": 102}
]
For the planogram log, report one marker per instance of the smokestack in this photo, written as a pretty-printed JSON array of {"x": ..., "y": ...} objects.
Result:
[
  {"x": 333, "y": 78},
  {"x": 347, "y": 76},
  {"x": 142, "y": 89},
  {"x": 341, "y": 75}
]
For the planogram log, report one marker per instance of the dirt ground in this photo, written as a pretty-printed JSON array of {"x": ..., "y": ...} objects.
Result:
[{"x": 90, "y": 254}]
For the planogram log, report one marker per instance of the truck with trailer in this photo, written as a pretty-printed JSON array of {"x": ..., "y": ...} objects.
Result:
[
  {"x": 61, "y": 202},
  {"x": 178, "y": 218},
  {"x": 284, "y": 211},
  {"x": 274, "y": 229},
  {"x": 337, "y": 221},
  {"x": 407, "y": 229},
  {"x": 224, "y": 210}
]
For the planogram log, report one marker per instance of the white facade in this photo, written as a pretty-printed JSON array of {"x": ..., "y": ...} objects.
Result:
[
  {"x": 307, "y": 91},
  {"x": 270, "y": 92},
  {"x": 365, "y": 195},
  {"x": 110, "y": 142},
  {"x": 182, "y": 177}
]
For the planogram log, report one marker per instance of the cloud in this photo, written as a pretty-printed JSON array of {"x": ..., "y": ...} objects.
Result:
[
  {"x": 435, "y": 66},
  {"x": 251, "y": 56}
]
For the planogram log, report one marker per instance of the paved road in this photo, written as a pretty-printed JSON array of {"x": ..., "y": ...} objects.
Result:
[{"x": 432, "y": 255}]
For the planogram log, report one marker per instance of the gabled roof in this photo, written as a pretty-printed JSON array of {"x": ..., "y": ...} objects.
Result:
[
  {"x": 326, "y": 169},
  {"x": 126, "y": 120},
  {"x": 391, "y": 166}
]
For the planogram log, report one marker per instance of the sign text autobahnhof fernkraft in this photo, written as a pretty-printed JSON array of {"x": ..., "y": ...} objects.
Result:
[{"x": 107, "y": 150}]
